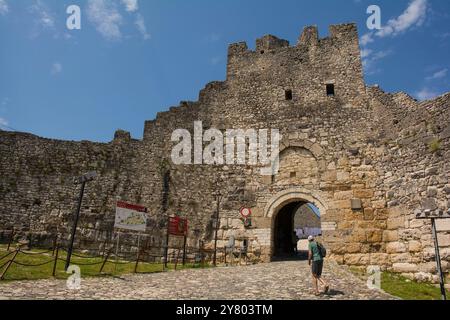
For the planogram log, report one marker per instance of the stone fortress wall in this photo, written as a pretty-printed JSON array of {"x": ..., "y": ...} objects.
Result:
[{"x": 386, "y": 150}]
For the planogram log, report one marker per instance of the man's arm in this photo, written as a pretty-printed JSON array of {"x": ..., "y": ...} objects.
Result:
[{"x": 309, "y": 255}]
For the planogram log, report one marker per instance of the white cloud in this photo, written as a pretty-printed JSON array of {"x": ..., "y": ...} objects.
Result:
[
  {"x": 414, "y": 15},
  {"x": 56, "y": 68},
  {"x": 426, "y": 94},
  {"x": 369, "y": 59},
  {"x": 106, "y": 18},
  {"x": 4, "y": 8},
  {"x": 3, "y": 124},
  {"x": 131, "y": 5},
  {"x": 140, "y": 24},
  {"x": 437, "y": 75},
  {"x": 366, "y": 39},
  {"x": 366, "y": 53},
  {"x": 43, "y": 16}
]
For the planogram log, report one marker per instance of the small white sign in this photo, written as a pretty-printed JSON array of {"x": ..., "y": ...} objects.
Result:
[{"x": 130, "y": 217}]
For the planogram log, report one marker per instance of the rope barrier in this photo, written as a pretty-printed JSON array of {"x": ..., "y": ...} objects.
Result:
[
  {"x": 145, "y": 254},
  {"x": 84, "y": 264},
  {"x": 33, "y": 265},
  {"x": 7, "y": 255},
  {"x": 35, "y": 253},
  {"x": 1, "y": 267}
]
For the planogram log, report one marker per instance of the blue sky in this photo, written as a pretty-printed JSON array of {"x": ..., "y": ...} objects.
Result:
[{"x": 134, "y": 58}]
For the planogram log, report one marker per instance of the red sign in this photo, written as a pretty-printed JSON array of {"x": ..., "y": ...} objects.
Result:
[
  {"x": 178, "y": 226},
  {"x": 245, "y": 212},
  {"x": 134, "y": 207}
]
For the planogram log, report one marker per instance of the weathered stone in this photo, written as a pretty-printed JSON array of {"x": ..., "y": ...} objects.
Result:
[
  {"x": 405, "y": 267},
  {"x": 374, "y": 236},
  {"x": 395, "y": 223},
  {"x": 414, "y": 246},
  {"x": 395, "y": 247},
  {"x": 390, "y": 235}
]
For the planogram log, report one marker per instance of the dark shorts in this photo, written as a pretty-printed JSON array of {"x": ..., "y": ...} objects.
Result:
[{"x": 317, "y": 267}]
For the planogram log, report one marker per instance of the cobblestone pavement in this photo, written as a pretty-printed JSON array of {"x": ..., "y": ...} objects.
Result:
[{"x": 279, "y": 280}]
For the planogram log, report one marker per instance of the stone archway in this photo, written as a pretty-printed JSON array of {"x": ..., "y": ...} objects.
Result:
[{"x": 289, "y": 199}]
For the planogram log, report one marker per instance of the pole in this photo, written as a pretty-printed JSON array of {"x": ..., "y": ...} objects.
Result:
[
  {"x": 438, "y": 259},
  {"x": 217, "y": 229},
  {"x": 10, "y": 262},
  {"x": 74, "y": 228},
  {"x": 184, "y": 250},
  {"x": 11, "y": 238},
  {"x": 166, "y": 249},
  {"x": 117, "y": 250},
  {"x": 55, "y": 264}
]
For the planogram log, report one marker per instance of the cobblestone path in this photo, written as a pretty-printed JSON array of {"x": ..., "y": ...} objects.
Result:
[{"x": 280, "y": 280}]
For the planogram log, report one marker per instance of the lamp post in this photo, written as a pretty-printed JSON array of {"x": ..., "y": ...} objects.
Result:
[
  {"x": 81, "y": 180},
  {"x": 218, "y": 200}
]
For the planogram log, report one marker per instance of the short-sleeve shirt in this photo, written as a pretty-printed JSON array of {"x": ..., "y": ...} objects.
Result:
[{"x": 314, "y": 248}]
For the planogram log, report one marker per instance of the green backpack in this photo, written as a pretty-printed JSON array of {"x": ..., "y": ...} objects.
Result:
[{"x": 322, "y": 250}]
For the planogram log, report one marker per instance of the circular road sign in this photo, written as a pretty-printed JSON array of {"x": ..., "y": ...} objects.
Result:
[{"x": 245, "y": 212}]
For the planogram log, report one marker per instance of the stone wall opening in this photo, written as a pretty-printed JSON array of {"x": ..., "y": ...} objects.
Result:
[
  {"x": 330, "y": 90},
  {"x": 293, "y": 223}
]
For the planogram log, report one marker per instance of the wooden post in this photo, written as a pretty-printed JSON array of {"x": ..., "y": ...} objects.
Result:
[
  {"x": 104, "y": 261},
  {"x": 55, "y": 244},
  {"x": 117, "y": 251},
  {"x": 2, "y": 277},
  {"x": 184, "y": 250},
  {"x": 11, "y": 238},
  {"x": 104, "y": 247},
  {"x": 137, "y": 262},
  {"x": 56, "y": 261},
  {"x": 138, "y": 257},
  {"x": 166, "y": 249}
]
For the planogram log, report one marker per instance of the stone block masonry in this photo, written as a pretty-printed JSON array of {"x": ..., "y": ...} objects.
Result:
[{"x": 344, "y": 143}]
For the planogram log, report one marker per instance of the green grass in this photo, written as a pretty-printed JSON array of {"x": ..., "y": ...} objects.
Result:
[
  {"x": 17, "y": 272},
  {"x": 401, "y": 287}
]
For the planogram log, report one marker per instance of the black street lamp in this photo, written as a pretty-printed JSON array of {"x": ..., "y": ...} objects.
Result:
[{"x": 81, "y": 180}]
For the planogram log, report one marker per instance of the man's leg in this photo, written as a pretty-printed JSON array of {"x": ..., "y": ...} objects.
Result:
[
  {"x": 315, "y": 284},
  {"x": 322, "y": 282}
]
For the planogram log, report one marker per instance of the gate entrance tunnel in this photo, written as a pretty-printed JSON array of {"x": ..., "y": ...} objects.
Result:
[{"x": 293, "y": 224}]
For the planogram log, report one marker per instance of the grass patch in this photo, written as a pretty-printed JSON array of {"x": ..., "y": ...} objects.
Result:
[
  {"x": 401, "y": 287},
  {"x": 18, "y": 272}
]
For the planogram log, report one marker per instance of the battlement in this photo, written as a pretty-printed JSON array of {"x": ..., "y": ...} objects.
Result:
[
  {"x": 341, "y": 43},
  {"x": 309, "y": 37}
]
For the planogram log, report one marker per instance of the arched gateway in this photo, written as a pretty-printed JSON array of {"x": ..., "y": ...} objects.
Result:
[{"x": 281, "y": 210}]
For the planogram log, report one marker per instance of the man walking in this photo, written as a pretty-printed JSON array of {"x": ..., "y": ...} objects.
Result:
[{"x": 315, "y": 255}]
